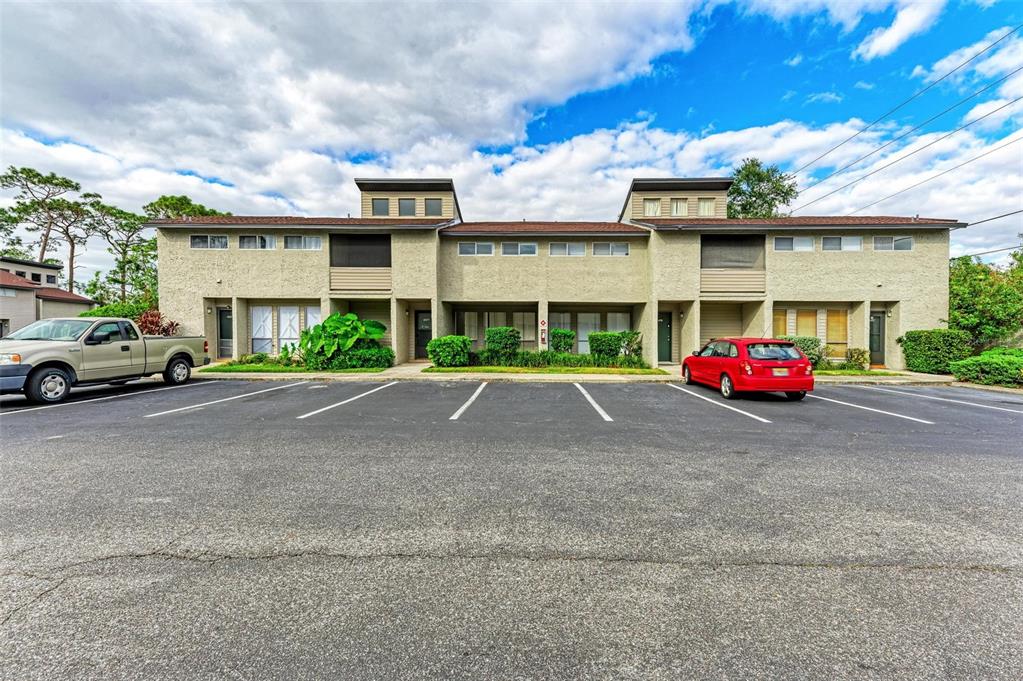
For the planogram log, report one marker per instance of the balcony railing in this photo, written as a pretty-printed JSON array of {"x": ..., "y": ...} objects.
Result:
[
  {"x": 733, "y": 281},
  {"x": 369, "y": 279}
]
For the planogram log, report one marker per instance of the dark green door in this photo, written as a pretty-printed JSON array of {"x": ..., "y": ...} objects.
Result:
[
  {"x": 877, "y": 337},
  {"x": 663, "y": 336},
  {"x": 424, "y": 332},
  {"x": 225, "y": 333}
]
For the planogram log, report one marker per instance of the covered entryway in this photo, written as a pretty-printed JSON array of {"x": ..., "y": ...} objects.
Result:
[{"x": 720, "y": 320}]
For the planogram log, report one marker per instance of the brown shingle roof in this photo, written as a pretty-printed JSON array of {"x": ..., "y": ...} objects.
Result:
[
  {"x": 228, "y": 220},
  {"x": 543, "y": 228},
  {"x": 805, "y": 221},
  {"x": 9, "y": 280},
  {"x": 50, "y": 293}
]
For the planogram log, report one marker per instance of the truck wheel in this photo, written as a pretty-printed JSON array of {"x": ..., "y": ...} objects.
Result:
[
  {"x": 51, "y": 384},
  {"x": 177, "y": 372}
]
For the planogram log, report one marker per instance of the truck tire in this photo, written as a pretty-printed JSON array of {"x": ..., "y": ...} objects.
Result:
[
  {"x": 50, "y": 385},
  {"x": 178, "y": 371}
]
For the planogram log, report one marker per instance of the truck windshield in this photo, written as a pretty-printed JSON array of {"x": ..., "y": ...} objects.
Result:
[
  {"x": 775, "y": 351},
  {"x": 52, "y": 330}
]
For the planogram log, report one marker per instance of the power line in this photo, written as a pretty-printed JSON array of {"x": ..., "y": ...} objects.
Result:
[
  {"x": 934, "y": 177},
  {"x": 997, "y": 217},
  {"x": 914, "y": 96},
  {"x": 997, "y": 250},
  {"x": 910, "y": 132},
  {"x": 903, "y": 158}
]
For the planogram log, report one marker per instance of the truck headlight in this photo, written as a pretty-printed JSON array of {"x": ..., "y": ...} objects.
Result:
[{"x": 10, "y": 358}]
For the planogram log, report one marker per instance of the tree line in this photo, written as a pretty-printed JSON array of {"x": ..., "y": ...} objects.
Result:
[{"x": 59, "y": 215}]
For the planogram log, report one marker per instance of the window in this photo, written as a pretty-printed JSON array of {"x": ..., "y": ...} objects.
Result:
[
  {"x": 407, "y": 207},
  {"x": 893, "y": 243},
  {"x": 780, "y": 323},
  {"x": 610, "y": 248},
  {"x": 257, "y": 242},
  {"x": 475, "y": 248},
  {"x": 651, "y": 208},
  {"x": 287, "y": 326},
  {"x": 262, "y": 328},
  {"x": 806, "y": 322},
  {"x": 841, "y": 243},
  {"x": 793, "y": 243},
  {"x": 525, "y": 322},
  {"x": 51, "y": 278},
  {"x": 434, "y": 207},
  {"x": 560, "y": 320},
  {"x": 837, "y": 332},
  {"x": 218, "y": 241},
  {"x": 303, "y": 243},
  {"x": 588, "y": 323},
  {"x": 128, "y": 332},
  {"x": 470, "y": 323},
  {"x": 732, "y": 251},
  {"x": 619, "y": 321},
  {"x": 360, "y": 250},
  {"x": 679, "y": 208},
  {"x": 8, "y": 293},
  {"x": 567, "y": 248},
  {"x": 112, "y": 328},
  {"x": 381, "y": 207},
  {"x": 518, "y": 248},
  {"x": 20, "y": 273},
  {"x": 36, "y": 277},
  {"x": 773, "y": 351},
  {"x": 312, "y": 316},
  {"x": 706, "y": 208}
]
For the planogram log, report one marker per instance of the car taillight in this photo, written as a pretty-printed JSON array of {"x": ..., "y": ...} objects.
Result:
[
  {"x": 809, "y": 369},
  {"x": 205, "y": 346},
  {"x": 745, "y": 366}
]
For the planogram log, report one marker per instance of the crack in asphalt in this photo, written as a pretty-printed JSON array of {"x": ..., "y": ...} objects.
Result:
[{"x": 33, "y": 600}]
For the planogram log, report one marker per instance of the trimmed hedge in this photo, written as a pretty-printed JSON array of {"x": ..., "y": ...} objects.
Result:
[
  {"x": 549, "y": 358},
  {"x": 999, "y": 366},
  {"x": 606, "y": 343},
  {"x": 127, "y": 310},
  {"x": 449, "y": 351},
  {"x": 931, "y": 351},
  {"x": 812, "y": 346},
  {"x": 562, "y": 340},
  {"x": 364, "y": 354},
  {"x": 503, "y": 341}
]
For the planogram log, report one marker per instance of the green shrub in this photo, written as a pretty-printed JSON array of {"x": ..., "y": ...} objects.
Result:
[
  {"x": 550, "y": 358},
  {"x": 931, "y": 351},
  {"x": 334, "y": 344},
  {"x": 365, "y": 355},
  {"x": 999, "y": 366},
  {"x": 562, "y": 340},
  {"x": 503, "y": 341},
  {"x": 255, "y": 358},
  {"x": 449, "y": 351},
  {"x": 127, "y": 310},
  {"x": 812, "y": 346},
  {"x": 856, "y": 358},
  {"x": 606, "y": 343}
]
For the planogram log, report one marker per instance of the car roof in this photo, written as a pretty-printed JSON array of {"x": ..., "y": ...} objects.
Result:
[{"x": 745, "y": 340}]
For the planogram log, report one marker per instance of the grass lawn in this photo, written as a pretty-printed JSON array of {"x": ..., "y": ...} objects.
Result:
[
  {"x": 278, "y": 369},
  {"x": 852, "y": 372},
  {"x": 545, "y": 370}
]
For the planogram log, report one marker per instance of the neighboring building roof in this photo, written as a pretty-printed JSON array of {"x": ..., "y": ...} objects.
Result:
[
  {"x": 523, "y": 228},
  {"x": 398, "y": 184},
  {"x": 30, "y": 263},
  {"x": 293, "y": 221},
  {"x": 50, "y": 293},
  {"x": 801, "y": 222},
  {"x": 674, "y": 184},
  {"x": 8, "y": 280}
]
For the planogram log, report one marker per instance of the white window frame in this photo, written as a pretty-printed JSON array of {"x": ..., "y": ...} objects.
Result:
[
  {"x": 292, "y": 322},
  {"x": 209, "y": 238},
  {"x": 8, "y": 293},
  {"x": 306, "y": 243},
  {"x": 706, "y": 201},
  {"x": 569, "y": 247},
  {"x": 518, "y": 248},
  {"x": 891, "y": 242},
  {"x": 809, "y": 244},
  {"x": 619, "y": 321},
  {"x": 475, "y": 248},
  {"x": 612, "y": 246},
  {"x": 263, "y": 324},
  {"x": 656, "y": 203},
  {"x": 313, "y": 316},
  {"x": 525, "y": 322},
  {"x": 684, "y": 204},
  {"x": 847, "y": 243},
  {"x": 269, "y": 242}
]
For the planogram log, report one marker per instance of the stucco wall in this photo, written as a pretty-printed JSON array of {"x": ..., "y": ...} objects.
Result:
[
  {"x": 19, "y": 309},
  {"x": 59, "y": 308},
  {"x": 414, "y": 264},
  {"x": 675, "y": 265}
]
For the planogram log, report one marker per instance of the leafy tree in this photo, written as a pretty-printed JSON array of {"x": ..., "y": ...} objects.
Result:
[
  {"x": 34, "y": 204},
  {"x": 97, "y": 289},
  {"x": 758, "y": 190},
  {"x": 174, "y": 207},
  {"x": 72, "y": 225},
  {"x": 141, "y": 270},
  {"x": 123, "y": 233},
  {"x": 985, "y": 301}
]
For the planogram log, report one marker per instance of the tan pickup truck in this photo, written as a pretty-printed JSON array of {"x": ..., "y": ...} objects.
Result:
[{"x": 47, "y": 357}]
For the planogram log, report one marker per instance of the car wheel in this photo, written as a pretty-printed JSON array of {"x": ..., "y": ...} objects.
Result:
[
  {"x": 687, "y": 376},
  {"x": 177, "y": 372},
  {"x": 796, "y": 396},
  {"x": 48, "y": 385},
  {"x": 727, "y": 387}
]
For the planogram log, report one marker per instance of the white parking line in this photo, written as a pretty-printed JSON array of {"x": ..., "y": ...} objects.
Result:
[
  {"x": 350, "y": 399},
  {"x": 879, "y": 411},
  {"x": 226, "y": 399},
  {"x": 593, "y": 403},
  {"x": 720, "y": 404},
  {"x": 108, "y": 397},
  {"x": 943, "y": 399},
  {"x": 461, "y": 410}
]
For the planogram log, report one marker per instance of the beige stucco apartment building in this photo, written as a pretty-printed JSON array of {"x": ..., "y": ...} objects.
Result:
[{"x": 673, "y": 267}]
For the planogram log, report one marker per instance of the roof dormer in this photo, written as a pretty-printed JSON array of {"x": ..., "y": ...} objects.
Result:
[
  {"x": 409, "y": 198},
  {"x": 676, "y": 197}
]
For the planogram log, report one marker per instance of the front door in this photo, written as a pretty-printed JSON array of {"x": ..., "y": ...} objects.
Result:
[
  {"x": 225, "y": 333},
  {"x": 663, "y": 336},
  {"x": 424, "y": 332},
  {"x": 877, "y": 337}
]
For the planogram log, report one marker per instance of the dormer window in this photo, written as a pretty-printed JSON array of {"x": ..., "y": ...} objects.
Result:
[
  {"x": 706, "y": 208},
  {"x": 679, "y": 208},
  {"x": 651, "y": 208},
  {"x": 434, "y": 207},
  {"x": 381, "y": 208},
  {"x": 407, "y": 207}
]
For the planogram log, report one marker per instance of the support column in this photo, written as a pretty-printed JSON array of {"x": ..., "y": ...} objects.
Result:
[
  {"x": 543, "y": 327},
  {"x": 400, "y": 320},
  {"x": 646, "y": 324},
  {"x": 859, "y": 324},
  {"x": 689, "y": 331},
  {"x": 756, "y": 321},
  {"x": 239, "y": 327}
]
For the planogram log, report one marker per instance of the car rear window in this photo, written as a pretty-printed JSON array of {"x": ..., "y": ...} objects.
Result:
[{"x": 775, "y": 351}]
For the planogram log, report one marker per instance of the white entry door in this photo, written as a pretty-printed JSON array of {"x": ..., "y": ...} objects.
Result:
[{"x": 588, "y": 323}]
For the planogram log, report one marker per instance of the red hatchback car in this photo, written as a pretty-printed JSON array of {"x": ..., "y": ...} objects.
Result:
[{"x": 735, "y": 365}]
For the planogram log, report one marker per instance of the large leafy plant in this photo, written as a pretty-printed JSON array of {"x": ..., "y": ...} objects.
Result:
[{"x": 338, "y": 333}]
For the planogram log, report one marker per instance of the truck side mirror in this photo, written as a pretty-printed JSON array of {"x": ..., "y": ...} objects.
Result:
[{"x": 98, "y": 338}]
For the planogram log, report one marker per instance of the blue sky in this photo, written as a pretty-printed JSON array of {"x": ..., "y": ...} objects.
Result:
[{"x": 537, "y": 110}]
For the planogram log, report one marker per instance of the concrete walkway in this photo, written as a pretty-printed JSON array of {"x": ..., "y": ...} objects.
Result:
[{"x": 414, "y": 372}]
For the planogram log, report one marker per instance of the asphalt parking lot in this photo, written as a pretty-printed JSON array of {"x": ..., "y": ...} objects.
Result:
[{"x": 510, "y": 530}]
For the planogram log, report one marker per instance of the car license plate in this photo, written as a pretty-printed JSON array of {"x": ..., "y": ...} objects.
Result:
[{"x": 780, "y": 372}]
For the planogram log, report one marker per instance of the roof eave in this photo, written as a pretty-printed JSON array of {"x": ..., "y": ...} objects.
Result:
[{"x": 544, "y": 233}]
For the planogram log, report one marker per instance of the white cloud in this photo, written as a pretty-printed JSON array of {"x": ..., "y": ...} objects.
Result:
[
  {"x": 912, "y": 17},
  {"x": 794, "y": 60},
  {"x": 824, "y": 98},
  {"x": 863, "y": 85}
]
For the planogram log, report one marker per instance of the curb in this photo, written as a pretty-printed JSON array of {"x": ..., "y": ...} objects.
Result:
[{"x": 441, "y": 378}]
